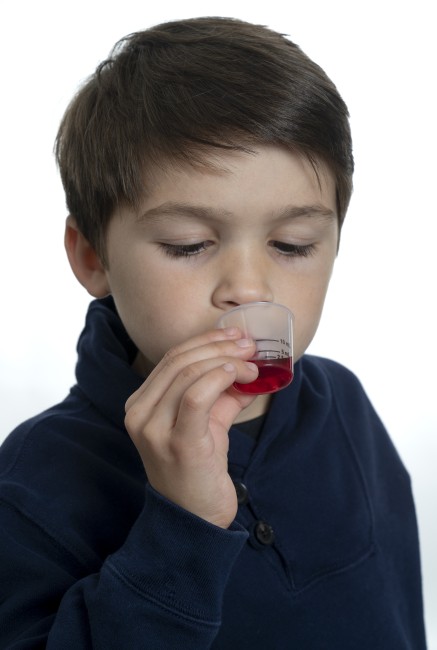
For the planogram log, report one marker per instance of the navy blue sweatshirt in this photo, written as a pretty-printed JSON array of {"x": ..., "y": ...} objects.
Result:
[{"x": 323, "y": 554}]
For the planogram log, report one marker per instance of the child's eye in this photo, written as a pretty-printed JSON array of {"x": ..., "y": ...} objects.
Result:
[
  {"x": 293, "y": 250},
  {"x": 184, "y": 250}
]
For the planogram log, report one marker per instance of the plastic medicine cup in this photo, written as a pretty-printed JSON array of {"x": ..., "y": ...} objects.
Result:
[{"x": 270, "y": 325}]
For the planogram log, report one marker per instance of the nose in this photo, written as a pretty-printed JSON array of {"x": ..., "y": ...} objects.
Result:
[{"x": 243, "y": 276}]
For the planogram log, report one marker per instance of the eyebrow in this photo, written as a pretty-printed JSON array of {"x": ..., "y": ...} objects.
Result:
[{"x": 174, "y": 210}]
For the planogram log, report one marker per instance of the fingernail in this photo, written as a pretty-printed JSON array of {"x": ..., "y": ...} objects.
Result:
[
  {"x": 229, "y": 367},
  {"x": 252, "y": 366},
  {"x": 244, "y": 343},
  {"x": 230, "y": 331}
]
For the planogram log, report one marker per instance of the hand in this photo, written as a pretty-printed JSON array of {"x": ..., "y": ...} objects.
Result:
[{"x": 180, "y": 417}]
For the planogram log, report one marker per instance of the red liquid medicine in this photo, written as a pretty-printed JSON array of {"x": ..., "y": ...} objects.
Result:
[{"x": 274, "y": 374}]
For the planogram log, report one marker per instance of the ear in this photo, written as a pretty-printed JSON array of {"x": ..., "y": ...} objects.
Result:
[{"x": 84, "y": 261}]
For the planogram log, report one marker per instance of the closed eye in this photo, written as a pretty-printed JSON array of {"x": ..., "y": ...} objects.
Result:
[
  {"x": 191, "y": 250},
  {"x": 184, "y": 250},
  {"x": 293, "y": 250}
]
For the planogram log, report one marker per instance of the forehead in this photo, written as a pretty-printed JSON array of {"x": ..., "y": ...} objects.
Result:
[{"x": 269, "y": 178}]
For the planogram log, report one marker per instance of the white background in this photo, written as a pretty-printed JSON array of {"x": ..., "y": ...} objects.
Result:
[{"x": 380, "y": 314}]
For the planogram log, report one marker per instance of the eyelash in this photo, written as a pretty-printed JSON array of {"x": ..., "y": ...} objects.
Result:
[
  {"x": 293, "y": 250},
  {"x": 184, "y": 250},
  {"x": 191, "y": 250}
]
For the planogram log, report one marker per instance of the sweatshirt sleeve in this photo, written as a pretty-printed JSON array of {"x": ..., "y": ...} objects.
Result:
[{"x": 162, "y": 588}]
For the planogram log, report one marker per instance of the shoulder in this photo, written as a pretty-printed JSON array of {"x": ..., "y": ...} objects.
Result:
[
  {"x": 28, "y": 436},
  {"x": 355, "y": 415},
  {"x": 48, "y": 436},
  {"x": 328, "y": 367},
  {"x": 339, "y": 385},
  {"x": 332, "y": 379},
  {"x": 69, "y": 465}
]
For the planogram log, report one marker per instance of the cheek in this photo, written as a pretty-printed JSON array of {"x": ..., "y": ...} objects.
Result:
[
  {"x": 152, "y": 323},
  {"x": 307, "y": 308},
  {"x": 157, "y": 318},
  {"x": 159, "y": 307},
  {"x": 304, "y": 331}
]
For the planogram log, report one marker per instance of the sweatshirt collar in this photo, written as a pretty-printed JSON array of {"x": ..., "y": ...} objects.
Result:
[{"x": 105, "y": 356}]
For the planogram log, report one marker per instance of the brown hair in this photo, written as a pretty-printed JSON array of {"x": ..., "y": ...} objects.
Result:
[{"x": 175, "y": 92}]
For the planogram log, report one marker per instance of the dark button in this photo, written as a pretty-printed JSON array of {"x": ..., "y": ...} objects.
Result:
[
  {"x": 264, "y": 533},
  {"x": 242, "y": 493}
]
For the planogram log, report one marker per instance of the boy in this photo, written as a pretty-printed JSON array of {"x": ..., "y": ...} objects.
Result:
[{"x": 207, "y": 163}]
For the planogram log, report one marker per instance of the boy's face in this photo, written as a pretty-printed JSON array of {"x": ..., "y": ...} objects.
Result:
[{"x": 263, "y": 227}]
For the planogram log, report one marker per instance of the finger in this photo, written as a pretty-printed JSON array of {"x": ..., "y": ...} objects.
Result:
[
  {"x": 160, "y": 415},
  {"x": 197, "y": 402},
  {"x": 217, "y": 344},
  {"x": 221, "y": 411},
  {"x": 201, "y": 385},
  {"x": 199, "y": 398},
  {"x": 230, "y": 333}
]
